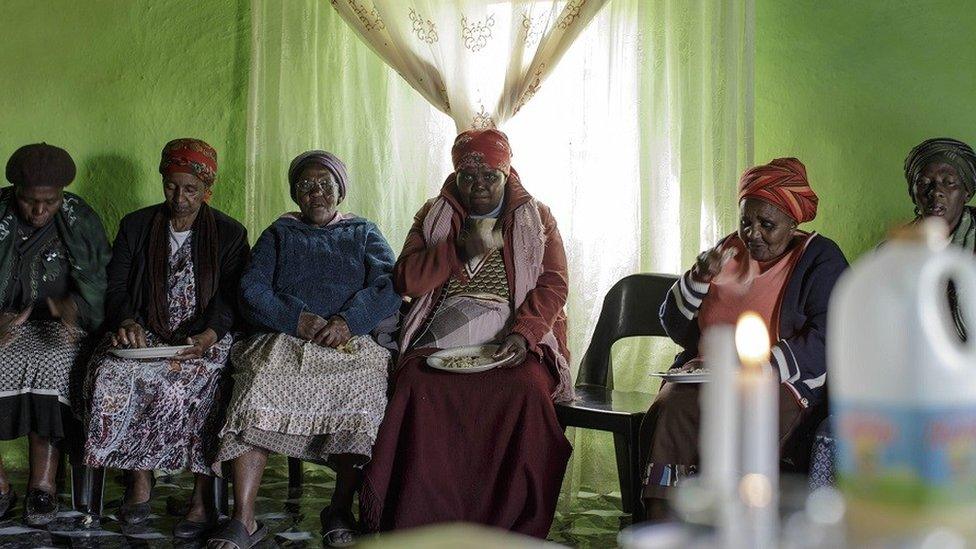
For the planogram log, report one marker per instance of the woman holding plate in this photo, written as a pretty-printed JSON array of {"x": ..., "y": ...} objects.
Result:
[
  {"x": 769, "y": 267},
  {"x": 172, "y": 281},
  {"x": 484, "y": 265}
]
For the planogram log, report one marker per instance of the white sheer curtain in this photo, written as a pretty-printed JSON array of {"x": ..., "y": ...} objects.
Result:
[
  {"x": 635, "y": 141},
  {"x": 479, "y": 61}
]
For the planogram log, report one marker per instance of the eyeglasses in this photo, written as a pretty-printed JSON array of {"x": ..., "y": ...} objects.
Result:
[{"x": 327, "y": 187}]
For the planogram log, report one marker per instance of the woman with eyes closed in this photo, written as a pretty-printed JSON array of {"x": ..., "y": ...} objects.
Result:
[
  {"x": 772, "y": 268},
  {"x": 941, "y": 176},
  {"x": 173, "y": 280}
]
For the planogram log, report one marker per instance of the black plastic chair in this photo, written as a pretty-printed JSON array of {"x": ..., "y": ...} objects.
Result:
[{"x": 629, "y": 309}]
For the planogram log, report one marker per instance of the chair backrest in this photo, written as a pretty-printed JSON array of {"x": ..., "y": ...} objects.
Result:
[{"x": 629, "y": 309}]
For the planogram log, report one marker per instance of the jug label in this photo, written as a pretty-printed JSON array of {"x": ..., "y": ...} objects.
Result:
[{"x": 902, "y": 454}]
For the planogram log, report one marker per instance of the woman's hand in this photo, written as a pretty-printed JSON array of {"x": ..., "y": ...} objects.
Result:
[
  {"x": 470, "y": 242},
  {"x": 710, "y": 263},
  {"x": 513, "y": 350},
  {"x": 309, "y": 324},
  {"x": 9, "y": 322},
  {"x": 335, "y": 333},
  {"x": 201, "y": 342},
  {"x": 129, "y": 334},
  {"x": 470, "y": 245}
]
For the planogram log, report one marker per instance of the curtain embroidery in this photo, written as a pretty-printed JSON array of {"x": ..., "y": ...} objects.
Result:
[
  {"x": 482, "y": 120},
  {"x": 570, "y": 14},
  {"x": 477, "y": 34},
  {"x": 370, "y": 18},
  {"x": 533, "y": 28},
  {"x": 424, "y": 29}
]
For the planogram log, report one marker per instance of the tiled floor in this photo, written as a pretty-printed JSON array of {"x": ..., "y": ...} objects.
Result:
[{"x": 591, "y": 520}]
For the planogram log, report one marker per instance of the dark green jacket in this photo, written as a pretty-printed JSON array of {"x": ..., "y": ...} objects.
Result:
[{"x": 83, "y": 235}]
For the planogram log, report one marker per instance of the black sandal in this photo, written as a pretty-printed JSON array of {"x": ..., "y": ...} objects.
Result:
[
  {"x": 236, "y": 533},
  {"x": 7, "y": 502},
  {"x": 338, "y": 528}
]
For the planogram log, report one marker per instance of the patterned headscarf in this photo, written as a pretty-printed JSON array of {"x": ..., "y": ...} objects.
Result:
[
  {"x": 325, "y": 159},
  {"x": 482, "y": 148},
  {"x": 191, "y": 156},
  {"x": 782, "y": 183},
  {"x": 942, "y": 149},
  {"x": 40, "y": 165}
]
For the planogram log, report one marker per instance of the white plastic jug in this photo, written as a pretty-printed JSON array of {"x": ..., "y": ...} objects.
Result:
[{"x": 903, "y": 389}]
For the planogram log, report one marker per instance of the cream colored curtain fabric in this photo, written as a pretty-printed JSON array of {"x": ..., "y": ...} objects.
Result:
[{"x": 479, "y": 61}]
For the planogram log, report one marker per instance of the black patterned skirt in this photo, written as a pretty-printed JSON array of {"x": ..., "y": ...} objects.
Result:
[{"x": 41, "y": 374}]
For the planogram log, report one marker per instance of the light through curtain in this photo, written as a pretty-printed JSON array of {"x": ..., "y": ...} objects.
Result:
[
  {"x": 635, "y": 141},
  {"x": 479, "y": 61}
]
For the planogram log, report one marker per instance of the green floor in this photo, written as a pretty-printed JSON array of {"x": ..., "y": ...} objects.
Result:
[{"x": 587, "y": 520}]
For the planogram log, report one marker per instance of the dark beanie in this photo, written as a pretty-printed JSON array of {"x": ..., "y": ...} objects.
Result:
[{"x": 40, "y": 165}]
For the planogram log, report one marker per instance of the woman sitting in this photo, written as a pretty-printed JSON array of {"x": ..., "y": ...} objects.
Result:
[
  {"x": 53, "y": 253},
  {"x": 769, "y": 267},
  {"x": 484, "y": 264},
  {"x": 173, "y": 280},
  {"x": 941, "y": 175},
  {"x": 313, "y": 385}
]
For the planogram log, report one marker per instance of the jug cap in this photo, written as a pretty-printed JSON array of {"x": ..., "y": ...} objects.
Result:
[{"x": 930, "y": 231}]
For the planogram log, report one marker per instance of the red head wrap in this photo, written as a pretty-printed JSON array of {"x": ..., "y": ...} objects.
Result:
[
  {"x": 482, "y": 148},
  {"x": 190, "y": 156},
  {"x": 782, "y": 183}
]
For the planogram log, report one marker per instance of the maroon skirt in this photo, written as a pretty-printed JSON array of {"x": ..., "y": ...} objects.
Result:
[{"x": 484, "y": 448}]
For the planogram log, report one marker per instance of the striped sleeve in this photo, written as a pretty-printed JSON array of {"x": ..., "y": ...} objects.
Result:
[
  {"x": 802, "y": 366},
  {"x": 679, "y": 312}
]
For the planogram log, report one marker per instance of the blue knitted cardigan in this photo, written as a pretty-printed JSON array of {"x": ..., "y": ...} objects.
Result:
[{"x": 341, "y": 269}]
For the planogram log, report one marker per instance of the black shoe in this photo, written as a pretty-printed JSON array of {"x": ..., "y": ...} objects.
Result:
[
  {"x": 132, "y": 514},
  {"x": 7, "y": 502},
  {"x": 40, "y": 507}
]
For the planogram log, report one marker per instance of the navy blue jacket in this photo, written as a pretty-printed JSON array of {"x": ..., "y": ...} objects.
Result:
[{"x": 800, "y": 355}]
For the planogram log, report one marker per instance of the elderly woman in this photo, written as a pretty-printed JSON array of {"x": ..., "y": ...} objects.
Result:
[
  {"x": 173, "y": 280},
  {"x": 53, "y": 253},
  {"x": 772, "y": 268},
  {"x": 312, "y": 383},
  {"x": 941, "y": 175},
  {"x": 484, "y": 264}
]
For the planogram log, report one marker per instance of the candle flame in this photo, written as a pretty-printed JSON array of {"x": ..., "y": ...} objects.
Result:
[{"x": 752, "y": 340}]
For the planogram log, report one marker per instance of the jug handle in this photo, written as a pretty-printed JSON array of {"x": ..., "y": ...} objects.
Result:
[{"x": 934, "y": 306}]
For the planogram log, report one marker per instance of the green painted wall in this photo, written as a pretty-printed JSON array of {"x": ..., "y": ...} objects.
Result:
[
  {"x": 849, "y": 87},
  {"x": 112, "y": 80}
]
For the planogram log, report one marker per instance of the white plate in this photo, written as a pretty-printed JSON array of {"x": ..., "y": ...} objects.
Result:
[
  {"x": 682, "y": 377},
  {"x": 438, "y": 360},
  {"x": 150, "y": 352}
]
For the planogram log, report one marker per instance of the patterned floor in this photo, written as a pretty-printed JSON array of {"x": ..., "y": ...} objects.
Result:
[{"x": 587, "y": 520}]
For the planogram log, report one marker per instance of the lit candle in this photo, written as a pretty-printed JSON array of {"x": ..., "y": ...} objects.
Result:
[
  {"x": 758, "y": 389},
  {"x": 719, "y": 433}
]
